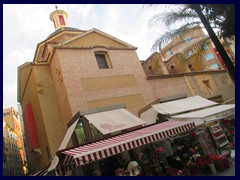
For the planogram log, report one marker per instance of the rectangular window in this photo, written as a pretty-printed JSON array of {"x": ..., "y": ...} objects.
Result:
[
  {"x": 188, "y": 54},
  {"x": 214, "y": 66},
  {"x": 95, "y": 132},
  {"x": 205, "y": 47},
  {"x": 168, "y": 52},
  {"x": 187, "y": 39},
  {"x": 80, "y": 133},
  {"x": 209, "y": 56},
  {"x": 102, "y": 60}
]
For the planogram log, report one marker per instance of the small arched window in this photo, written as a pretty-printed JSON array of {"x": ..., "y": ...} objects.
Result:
[
  {"x": 61, "y": 19},
  {"x": 172, "y": 67},
  {"x": 103, "y": 60}
]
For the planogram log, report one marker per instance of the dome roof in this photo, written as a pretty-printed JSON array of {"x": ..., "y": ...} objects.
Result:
[{"x": 62, "y": 29}]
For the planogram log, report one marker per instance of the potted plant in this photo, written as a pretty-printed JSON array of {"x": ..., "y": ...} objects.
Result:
[{"x": 217, "y": 162}]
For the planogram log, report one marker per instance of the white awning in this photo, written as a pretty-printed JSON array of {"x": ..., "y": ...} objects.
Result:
[
  {"x": 183, "y": 105},
  {"x": 149, "y": 116},
  {"x": 114, "y": 120},
  {"x": 41, "y": 172},
  {"x": 63, "y": 145},
  {"x": 208, "y": 114}
]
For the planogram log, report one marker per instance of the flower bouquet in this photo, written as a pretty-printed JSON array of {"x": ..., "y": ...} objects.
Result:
[
  {"x": 193, "y": 168},
  {"x": 203, "y": 164},
  {"x": 170, "y": 171},
  {"x": 160, "y": 149}
]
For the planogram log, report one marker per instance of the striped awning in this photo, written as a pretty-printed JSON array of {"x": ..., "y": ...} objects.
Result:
[{"x": 108, "y": 147}]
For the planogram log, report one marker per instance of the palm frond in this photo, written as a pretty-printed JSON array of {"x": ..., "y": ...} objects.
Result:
[
  {"x": 198, "y": 47},
  {"x": 177, "y": 14},
  {"x": 174, "y": 34},
  {"x": 180, "y": 15}
]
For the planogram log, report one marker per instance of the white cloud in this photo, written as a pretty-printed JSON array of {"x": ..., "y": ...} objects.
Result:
[
  {"x": 25, "y": 25},
  {"x": 10, "y": 94},
  {"x": 10, "y": 63}
]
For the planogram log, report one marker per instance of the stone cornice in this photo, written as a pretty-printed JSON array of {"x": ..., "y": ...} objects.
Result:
[{"x": 152, "y": 77}]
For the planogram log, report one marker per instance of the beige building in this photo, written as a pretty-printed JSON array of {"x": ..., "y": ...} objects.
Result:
[
  {"x": 75, "y": 70},
  {"x": 12, "y": 154},
  {"x": 179, "y": 56},
  {"x": 11, "y": 118}
]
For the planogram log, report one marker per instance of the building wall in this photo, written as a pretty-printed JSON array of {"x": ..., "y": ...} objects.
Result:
[
  {"x": 87, "y": 86},
  {"x": 11, "y": 118},
  {"x": 27, "y": 161},
  {"x": 179, "y": 44},
  {"x": 31, "y": 96},
  {"x": 50, "y": 108},
  {"x": 176, "y": 65},
  {"x": 217, "y": 84},
  {"x": 12, "y": 161},
  {"x": 40, "y": 91},
  {"x": 154, "y": 65},
  {"x": 225, "y": 87},
  {"x": 60, "y": 87},
  {"x": 169, "y": 86},
  {"x": 93, "y": 39},
  {"x": 197, "y": 63}
]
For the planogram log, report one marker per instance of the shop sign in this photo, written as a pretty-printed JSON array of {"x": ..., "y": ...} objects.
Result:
[
  {"x": 211, "y": 123},
  {"x": 112, "y": 127},
  {"x": 221, "y": 115},
  {"x": 225, "y": 114}
]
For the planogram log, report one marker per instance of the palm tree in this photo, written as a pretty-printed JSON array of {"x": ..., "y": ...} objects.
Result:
[
  {"x": 219, "y": 47},
  {"x": 189, "y": 14}
]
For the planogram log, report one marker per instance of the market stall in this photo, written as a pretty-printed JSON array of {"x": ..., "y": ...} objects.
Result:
[
  {"x": 218, "y": 122},
  {"x": 92, "y": 152}
]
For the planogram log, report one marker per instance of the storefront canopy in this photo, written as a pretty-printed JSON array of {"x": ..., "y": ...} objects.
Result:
[
  {"x": 102, "y": 149},
  {"x": 208, "y": 114},
  {"x": 106, "y": 120},
  {"x": 114, "y": 120},
  {"x": 183, "y": 105}
]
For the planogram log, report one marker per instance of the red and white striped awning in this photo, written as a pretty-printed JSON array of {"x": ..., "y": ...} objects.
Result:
[{"x": 102, "y": 149}]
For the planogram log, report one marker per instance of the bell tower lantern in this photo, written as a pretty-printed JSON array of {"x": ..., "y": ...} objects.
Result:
[{"x": 59, "y": 18}]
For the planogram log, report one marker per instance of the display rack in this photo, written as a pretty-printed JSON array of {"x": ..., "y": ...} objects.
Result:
[
  {"x": 206, "y": 142},
  {"x": 218, "y": 134}
]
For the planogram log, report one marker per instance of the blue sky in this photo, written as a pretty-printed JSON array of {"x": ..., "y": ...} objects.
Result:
[{"x": 25, "y": 25}]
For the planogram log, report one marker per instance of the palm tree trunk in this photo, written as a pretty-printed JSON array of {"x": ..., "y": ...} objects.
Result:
[{"x": 215, "y": 40}]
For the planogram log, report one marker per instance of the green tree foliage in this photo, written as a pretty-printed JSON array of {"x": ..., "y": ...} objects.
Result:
[
  {"x": 222, "y": 16},
  {"x": 209, "y": 16}
]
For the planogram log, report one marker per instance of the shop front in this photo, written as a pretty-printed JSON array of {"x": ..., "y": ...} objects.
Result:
[
  {"x": 94, "y": 125},
  {"x": 205, "y": 148},
  {"x": 181, "y": 140},
  {"x": 218, "y": 121},
  {"x": 139, "y": 152},
  {"x": 214, "y": 120}
]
